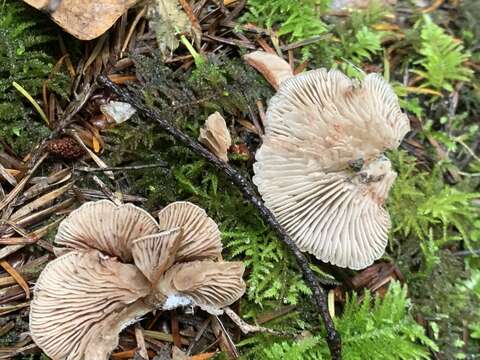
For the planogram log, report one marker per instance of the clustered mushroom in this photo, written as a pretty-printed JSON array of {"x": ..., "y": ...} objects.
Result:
[
  {"x": 321, "y": 169},
  {"x": 116, "y": 264}
]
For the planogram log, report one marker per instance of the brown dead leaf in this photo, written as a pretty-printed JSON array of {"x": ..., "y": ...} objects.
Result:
[
  {"x": 168, "y": 19},
  {"x": 87, "y": 19}
]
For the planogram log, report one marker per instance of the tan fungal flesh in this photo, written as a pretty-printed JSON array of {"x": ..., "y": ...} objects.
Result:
[
  {"x": 215, "y": 136},
  {"x": 317, "y": 125},
  {"x": 84, "y": 298},
  {"x": 200, "y": 237},
  {"x": 271, "y": 66},
  {"x": 210, "y": 285},
  {"x": 154, "y": 254},
  {"x": 330, "y": 120},
  {"x": 104, "y": 226}
]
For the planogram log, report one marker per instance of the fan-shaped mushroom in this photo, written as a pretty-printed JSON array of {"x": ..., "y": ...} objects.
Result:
[
  {"x": 85, "y": 297},
  {"x": 198, "y": 282},
  {"x": 321, "y": 170},
  {"x": 82, "y": 297}
]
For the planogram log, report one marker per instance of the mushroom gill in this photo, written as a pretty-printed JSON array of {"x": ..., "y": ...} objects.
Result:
[
  {"x": 104, "y": 226},
  {"x": 207, "y": 284},
  {"x": 321, "y": 169},
  {"x": 84, "y": 298},
  {"x": 78, "y": 296}
]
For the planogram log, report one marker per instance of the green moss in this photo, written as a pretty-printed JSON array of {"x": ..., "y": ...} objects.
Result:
[
  {"x": 23, "y": 59},
  {"x": 296, "y": 20},
  {"x": 371, "y": 329},
  {"x": 423, "y": 207},
  {"x": 441, "y": 298}
]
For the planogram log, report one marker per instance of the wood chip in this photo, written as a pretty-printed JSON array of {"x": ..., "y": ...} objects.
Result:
[{"x": 141, "y": 348}]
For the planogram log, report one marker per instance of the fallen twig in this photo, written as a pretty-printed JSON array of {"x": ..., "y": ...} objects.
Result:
[
  {"x": 199, "y": 335},
  {"x": 247, "y": 328},
  {"x": 120, "y": 168},
  {"x": 249, "y": 193}
]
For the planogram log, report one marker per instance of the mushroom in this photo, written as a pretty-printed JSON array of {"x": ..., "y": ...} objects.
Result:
[
  {"x": 106, "y": 227},
  {"x": 119, "y": 264},
  {"x": 321, "y": 168},
  {"x": 215, "y": 136},
  {"x": 271, "y": 66},
  {"x": 197, "y": 283},
  {"x": 82, "y": 301}
]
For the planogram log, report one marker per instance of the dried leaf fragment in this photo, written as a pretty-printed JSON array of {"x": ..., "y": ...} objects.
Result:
[
  {"x": 118, "y": 111},
  {"x": 87, "y": 19},
  {"x": 168, "y": 19},
  {"x": 215, "y": 136}
]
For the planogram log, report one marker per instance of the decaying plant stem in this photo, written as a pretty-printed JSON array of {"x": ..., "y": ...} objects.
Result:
[{"x": 250, "y": 194}]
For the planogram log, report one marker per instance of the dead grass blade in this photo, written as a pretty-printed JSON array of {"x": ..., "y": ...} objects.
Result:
[
  {"x": 40, "y": 202},
  {"x": 7, "y": 309},
  {"x": 14, "y": 193},
  {"x": 7, "y": 176},
  {"x": 16, "y": 275}
]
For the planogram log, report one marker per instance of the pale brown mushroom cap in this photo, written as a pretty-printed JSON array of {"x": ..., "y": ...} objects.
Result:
[
  {"x": 85, "y": 19},
  {"x": 271, "y": 66},
  {"x": 200, "y": 237},
  {"x": 324, "y": 117},
  {"x": 207, "y": 284},
  {"x": 82, "y": 301},
  {"x": 154, "y": 254},
  {"x": 104, "y": 226},
  {"x": 215, "y": 136},
  {"x": 318, "y": 124}
]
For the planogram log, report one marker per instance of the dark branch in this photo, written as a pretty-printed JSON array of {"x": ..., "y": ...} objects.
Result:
[{"x": 250, "y": 194}]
